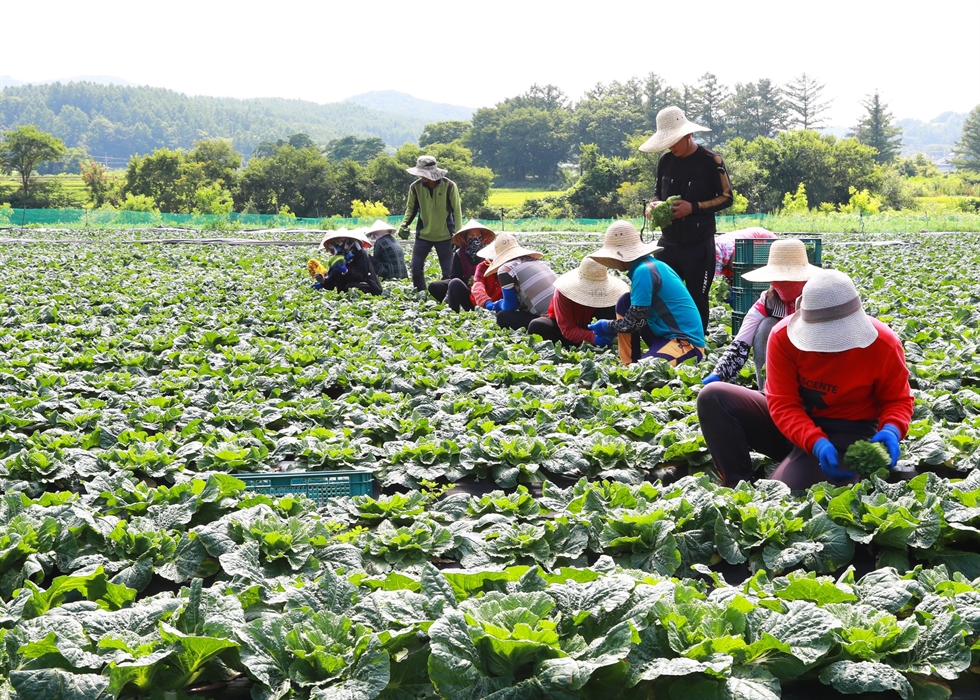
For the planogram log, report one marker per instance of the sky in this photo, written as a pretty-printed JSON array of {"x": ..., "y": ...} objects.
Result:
[{"x": 922, "y": 57}]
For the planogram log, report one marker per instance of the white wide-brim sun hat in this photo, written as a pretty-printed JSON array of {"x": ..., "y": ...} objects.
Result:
[
  {"x": 590, "y": 284},
  {"x": 787, "y": 263},
  {"x": 672, "y": 126},
  {"x": 506, "y": 248},
  {"x": 622, "y": 244},
  {"x": 379, "y": 226},
  {"x": 829, "y": 316},
  {"x": 356, "y": 235}
]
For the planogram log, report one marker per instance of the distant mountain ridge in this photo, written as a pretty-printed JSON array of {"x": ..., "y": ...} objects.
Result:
[
  {"x": 935, "y": 138},
  {"x": 7, "y": 81},
  {"x": 403, "y": 103}
]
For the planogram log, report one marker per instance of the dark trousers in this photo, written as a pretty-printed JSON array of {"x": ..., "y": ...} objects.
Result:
[
  {"x": 454, "y": 292},
  {"x": 515, "y": 320},
  {"x": 760, "y": 341},
  {"x": 695, "y": 264},
  {"x": 548, "y": 329},
  {"x": 420, "y": 251},
  {"x": 735, "y": 420}
]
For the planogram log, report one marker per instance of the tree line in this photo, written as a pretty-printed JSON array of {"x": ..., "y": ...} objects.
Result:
[{"x": 766, "y": 134}]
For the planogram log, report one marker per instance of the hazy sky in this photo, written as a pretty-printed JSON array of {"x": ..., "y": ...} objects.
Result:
[{"x": 923, "y": 57}]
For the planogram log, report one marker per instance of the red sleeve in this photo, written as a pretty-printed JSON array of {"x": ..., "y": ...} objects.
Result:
[
  {"x": 478, "y": 293},
  {"x": 783, "y": 391},
  {"x": 573, "y": 319},
  {"x": 892, "y": 390}
]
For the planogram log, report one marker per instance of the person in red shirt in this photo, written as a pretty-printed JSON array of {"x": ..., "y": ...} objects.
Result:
[
  {"x": 584, "y": 294},
  {"x": 834, "y": 376}
]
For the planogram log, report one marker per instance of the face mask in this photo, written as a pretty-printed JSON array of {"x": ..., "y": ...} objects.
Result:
[
  {"x": 788, "y": 291},
  {"x": 473, "y": 246}
]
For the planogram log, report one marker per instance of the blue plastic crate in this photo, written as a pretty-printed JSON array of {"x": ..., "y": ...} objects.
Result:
[
  {"x": 755, "y": 251},
  {"x": 317, "y": 485}
]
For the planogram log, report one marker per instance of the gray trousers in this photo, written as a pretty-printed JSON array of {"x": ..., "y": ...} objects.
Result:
[{"x": 759, "y": 343}]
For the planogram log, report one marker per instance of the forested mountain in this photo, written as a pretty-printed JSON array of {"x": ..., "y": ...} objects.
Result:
[
  {"x": 402, "y": 103},
  {"x": 112, "y": 122}
]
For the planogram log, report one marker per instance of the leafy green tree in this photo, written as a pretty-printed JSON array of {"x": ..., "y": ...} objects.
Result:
[
  {"x": 96, "y": 179},
  {"x": 359, "y": 150},
  {"x": 212, "y": 199},
  {"x": 875, "y": 129},
  {"x": 707, "y": 108},
  {"x": 596, "y": 194},
  {"x": 23, "y": 148},
  {"x": 443, "y": 132},
  {"x": 219, "y": 161},
  {"x": 608, "y": 115},
  {"x": 756, "y": 109},
  {"x": 803, "y": 98},
  {"x": 795, "y": 203},
  {"x": 473, "y": 181},
  {"x": 967, "y": 152},
  {"x": 368, "y": 210},
  {"x": 658, "y": 95},
  {"x": 166, "y": 177},
  {"x": 138, "y": 202},
  {"x": 301, "y": 140}
]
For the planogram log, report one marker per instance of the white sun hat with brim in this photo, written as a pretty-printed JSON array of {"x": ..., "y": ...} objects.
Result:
[
  {"x": 590, "y": 284},
  {"x": 506, "y": 248},
  {"x": 426, "y": 167},
  {"x": 787, "y": 263},
  {"x": 379, "y": 228},
  {"x": 487, "y": 252},
  {"x": 672, "y": 126},
  {"x": 622, "y": 245},
  {"x": 829, "y": 316},
  {"x": 487, "y": 234},
  {"x": 356, "y": 234}
]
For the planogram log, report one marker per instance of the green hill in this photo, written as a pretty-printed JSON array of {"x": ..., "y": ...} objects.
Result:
[{"x": 402, "y": 103}]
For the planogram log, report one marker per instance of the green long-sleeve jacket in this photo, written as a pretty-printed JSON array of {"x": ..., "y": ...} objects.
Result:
[{"x": 438, "y": 210}]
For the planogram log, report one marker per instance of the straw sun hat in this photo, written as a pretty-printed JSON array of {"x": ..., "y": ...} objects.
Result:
[
  {"x": 378, "y": 228},
  {"x": 829, "y": 316},
  {"x": 672, "y": 126},
  {"x": 425, "y": 167},
  {"x": 506, "y": 248},
  {"x": 356, "y": 235},
  {"x": 590, "y": 285},
  {"x": 787, "y": 263},
  {"x": 459, "y": 238},
  {"x": 622, "y": 245}
]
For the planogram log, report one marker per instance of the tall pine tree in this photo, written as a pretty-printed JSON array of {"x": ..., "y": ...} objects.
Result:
[
  {"x": 876, "y": 130},
  {"x": 803, "y": 100},
  {"x": 967, "y": 151}
]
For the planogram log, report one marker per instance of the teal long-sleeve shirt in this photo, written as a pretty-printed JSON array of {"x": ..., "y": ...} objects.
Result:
[{"x": 438, "y": 210}]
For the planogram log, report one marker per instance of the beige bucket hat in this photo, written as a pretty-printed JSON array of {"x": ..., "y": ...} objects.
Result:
[
  {"x": 672, "y": 126},
  {"x": 829, "y": 316},
  {"x": 622, "y": 245},
  {"x": 591, "y": 285},
  {"x": 379, "y": 228},
  {"x": 425, "y": 167},
  {"x": 356, "y": 234},
  {"x": 459, "y": 238},
  {"x": 506, "y": 248},
  {"x": 787, "y": 263}
]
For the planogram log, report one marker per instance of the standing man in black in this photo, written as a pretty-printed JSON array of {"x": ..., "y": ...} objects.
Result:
[{"x": 699, "y": 178}]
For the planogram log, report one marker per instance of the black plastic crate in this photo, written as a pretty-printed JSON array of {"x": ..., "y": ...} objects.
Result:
[
  {"x": 755, "y": 251},
  {"x": 317, "y": 485}
]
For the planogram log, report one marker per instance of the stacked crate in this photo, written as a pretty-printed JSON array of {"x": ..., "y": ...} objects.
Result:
[{"x": 751, "y": 254}]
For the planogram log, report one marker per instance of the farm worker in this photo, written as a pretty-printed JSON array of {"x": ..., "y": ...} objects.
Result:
[
  {"x": 349, "y": 265},
  {"x": 527, "y": 283},
  {"x": 658, "y": 309},
  {"x": 486, "y": 289},
  {"x": 698, "y": 176},
  {"x": 585, "y": 293},
  {"x": 388, "y": 257},
  {"x": 725, "y": 248},
  {"x": 471, "y": 238},
  {"x": 835, "y": 376},
  {"x": 786, "y": 271},
  {"x": 434, "y": 199}
]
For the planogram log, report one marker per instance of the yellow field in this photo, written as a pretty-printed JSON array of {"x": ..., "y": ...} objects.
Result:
[{"x": 507, "y": 197}]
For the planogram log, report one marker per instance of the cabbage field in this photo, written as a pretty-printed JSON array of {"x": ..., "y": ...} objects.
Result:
[{"x": 545, "y": 522}]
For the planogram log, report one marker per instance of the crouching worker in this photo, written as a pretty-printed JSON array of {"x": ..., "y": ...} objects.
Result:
[
  {"x": 585, "y": 293},
  {"x": 658, "y": 310},
  {"x": 469, "y": 241},
  {"x": 348, "y": 266},
  {"x": 389, "y": 256},
  {"x": 527, "y": 283},
  {"x": 835, "y": 376},
  {"x": 787, "y": 271}
]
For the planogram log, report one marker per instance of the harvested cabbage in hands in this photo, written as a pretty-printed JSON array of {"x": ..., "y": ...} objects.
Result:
[
  {"x": 662, "y": 214},
  {"x": 866, "y": 458}
]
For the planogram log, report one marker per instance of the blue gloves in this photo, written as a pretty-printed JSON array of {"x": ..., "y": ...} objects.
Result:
[
  {"x": 601, "y": 328},
  {"x": 711, "y": 378},
  {"x": 489, "y": 305},
  {"x": 496, "y": 305},
  {"x": 603, "y": 341},
  {"x": 826, "y": 453},
  {"x": 889, "y": 436}
]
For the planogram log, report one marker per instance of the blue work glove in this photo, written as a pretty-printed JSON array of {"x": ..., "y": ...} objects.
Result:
[
  {"x": 341, "y": 268},
  {"x": 889, "y": 436},
  {"x": 496, "y": 305},
  {"x": 488, "y": 305},
  {"x": 826, "y": 453},
  {"x": 711, "y": 378},
  {"x": 603, "y": 341},
  {"x": 601, "y": 328}
]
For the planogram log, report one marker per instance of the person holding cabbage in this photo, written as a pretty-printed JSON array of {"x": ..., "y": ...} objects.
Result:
[{"x": 346, "y": 265}]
